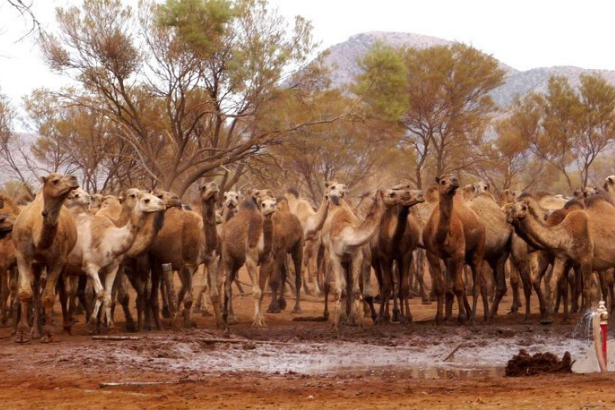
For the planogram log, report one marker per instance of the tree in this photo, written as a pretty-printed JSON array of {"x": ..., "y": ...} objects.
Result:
[
  {"x": 597, "y": 122},
  {"x": 189, "y": 87},
  {"x": 443, "y": 105}
]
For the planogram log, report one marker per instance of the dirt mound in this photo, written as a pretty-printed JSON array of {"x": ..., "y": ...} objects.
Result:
[{"x": 525, "y": 365}]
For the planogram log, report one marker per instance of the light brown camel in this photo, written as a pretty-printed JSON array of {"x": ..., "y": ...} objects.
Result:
[
  {"x": 44, "y": 234},
  {"x": 344, "y": 237},
  {"x": 101, "y": 245},
  {"x": 507, "y": 196},
  {"x": 396, "y": 240},
  {"x": 8, "y": 264},
  {"x": 455, "y": 235},
  {"x": 312, "y": 223},
  {"x": 248, "y": 239},
  {"x": 497, "y": 238},
  {"x": 569, "y": 241},
  {"x": 95, "y": 203},
  {"x": 186, "y": 241}
]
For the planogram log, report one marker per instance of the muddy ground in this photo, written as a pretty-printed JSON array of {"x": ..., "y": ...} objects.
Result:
[{"x": 291, "y": 364}]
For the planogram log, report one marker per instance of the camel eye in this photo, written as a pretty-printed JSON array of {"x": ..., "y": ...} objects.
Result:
[
  {"x": 147, "y": 201},
  {"x": 392, "y": 194},
  {"x": 263, "y": 205}
]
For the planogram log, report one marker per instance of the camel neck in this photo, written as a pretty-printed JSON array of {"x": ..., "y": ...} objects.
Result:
[
  {"x": 147, "y": 234},
  {"x": 315, "y": 222},
  {"x": 445, "y": 206},
  {"x": 51, "y": 216},
  {"x": 402, "y": 222},
  {"x": 537, "y": 234},
  {"x": 209, "y": 225},
  {"x": 267, "y": 234}
]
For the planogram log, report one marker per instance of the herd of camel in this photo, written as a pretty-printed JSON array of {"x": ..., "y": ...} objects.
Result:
[{"x": 87, "y": 249}]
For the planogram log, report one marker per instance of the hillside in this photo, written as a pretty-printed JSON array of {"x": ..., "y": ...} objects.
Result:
[{"x": 342, "y": 60}]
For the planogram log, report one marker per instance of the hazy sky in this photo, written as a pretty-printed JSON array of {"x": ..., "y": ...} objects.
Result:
[{"x": 523, "y": 34}]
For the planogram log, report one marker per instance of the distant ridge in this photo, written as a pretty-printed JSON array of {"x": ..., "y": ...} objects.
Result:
[{"x": 343, "y": 57}]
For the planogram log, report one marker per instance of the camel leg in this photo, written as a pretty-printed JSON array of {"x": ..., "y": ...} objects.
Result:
[
  {"x": 604, "y": 289},
  {"x": 340, "y": 283},
  {"x": 611, "y": 285},
  {"x": 276, "y": 279},
  {"x": 25, "y": 295},
  {"x": 385, "y": 289},
  {"x": 214, "y": 290},
  {"x": 404, "y": 266},
  {"x": 559, "y": 265},
  {"x": 499, "y": 271},
  {"x": 255, "y": 276},
  {"x": 92, "y": 272},
  {"x": 326, "y": 269},
  {"x": 459, "y": 288},
  {"x": 449, "y": 295},
  {"x": 110, "y": 276},
  {"x": 123, "y": 297},
  {"x": 420, "y": 271},
  {"x": 48, "y": 298},
  {"x": 354, "y": 293},
  {"x": 297, "y": 256},
  {"x": 563, "y": 291},
  {"x": 4, "y": 295},
  {"x": 437, "y": 280},
  {"x": 586, "y": 273},
  {"x": 395, "y": 279},
  {"x": 63, "y": 289},
  {"x": 185, "y": 291},
  {"x": 367, "y": 289},
  {"x": 514, "y": 284}
]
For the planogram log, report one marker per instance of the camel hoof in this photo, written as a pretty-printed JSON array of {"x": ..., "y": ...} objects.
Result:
[
  {"x": 282, "y": 303},
  {"x": 232, "y": 320},
  {"x": 34, "y": 333},
  {"x": 354, "y": 320},
  {"x": 21, "y": 336},
  {"x": 67, "y": 329},
  {"x": 297, "y": 310},
  {"x": 405, "y": 320},
  {"x": 130, "y": 327},
  {"x": 546, "y": 321},
  {"x": 206, "y": 313},
  {"x": 273, "y": 309},
  {"x": 396, "y": 314},
  {"x": 165, "y": 312}
]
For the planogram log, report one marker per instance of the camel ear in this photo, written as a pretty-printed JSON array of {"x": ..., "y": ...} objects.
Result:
[
  {"x": 437, "y": 180},
  {"x": 43, "y": 179},
  {"x": 327, "y": 184},
  {"x": 610, "y": 180},
  {"x": 576, "y": 192}
]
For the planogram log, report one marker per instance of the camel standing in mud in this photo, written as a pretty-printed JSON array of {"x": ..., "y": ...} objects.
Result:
[
  {"x": 44, "y": 234},
  {"x": 101, "y": 245},
  {"x": 248, "y": 240},
  {"x": 396, "y": 241},
  {"x": 344, "y": 236},
  {"x": 9, "y": 212},
  {"x": 455, "y": 235}
]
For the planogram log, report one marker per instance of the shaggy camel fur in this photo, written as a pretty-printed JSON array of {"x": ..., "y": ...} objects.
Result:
[
  {"x": 497, "y": 238},
  {"x": 44, "y": 234},
  {"x": 455, "y": 235},
  {"x": 101, "y": 245},
  {"x": 248, "y": 239},
  {"x": 396, "y": 240},
  {"x": 186, "y": 241},
  {"x": 345, "y": 238}
]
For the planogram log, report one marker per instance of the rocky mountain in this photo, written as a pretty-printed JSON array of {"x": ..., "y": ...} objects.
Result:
[{"x": 343, "y": 57}]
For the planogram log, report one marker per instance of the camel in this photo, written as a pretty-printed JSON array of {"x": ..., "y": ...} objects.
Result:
[
  {"x": 44, "y": 234},
  {"x": 455, "y": 235},
  {"x": 248, "y": 239},
  {"x": 186, "y": 241},
  {"x": 397, "y": 238},
  {"x": 344, "y": 237},
  {"x": 570, "y": 241},
  {"x": 609, "y": 187},
  {"x": 8, "y": 213},
  {"x": 230, "y": 205},
  {"x": 497, "y": 238},
  {"x": 312, "y": 222},
  {"x": 507, "y": 196},
  {"x": 101, "y": 244}
]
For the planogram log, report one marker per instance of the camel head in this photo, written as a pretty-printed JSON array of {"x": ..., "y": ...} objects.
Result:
[
  {"x": 6, "y": 223},
  {"x": 209, "y": 190},
  {"x": 447, "y": 184},
  {"x": 266, "y": 205},
  {"x": 257, "y": 194},
  {"x": 508, "y": 196},
  {"x": 58, "y": 185},
  {"x": 129, "y": 197},
  {"x": 231, "y": 200},
  {"x": 336, "y": 189},
  {"x": 414, "y": 196},
  {"x": 110, "y": 201},
  {"x": 481, "y": 187},
  {"x": 78, "y": 198},
  {"x": 517, "y": 211},
  {"x": 169, "y": 199},
  {"x": 148, "y": 203},
  {"x": 609, "y": 183}
]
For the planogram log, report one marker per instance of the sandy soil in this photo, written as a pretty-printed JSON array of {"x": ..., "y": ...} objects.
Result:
[{"x": 291, "y": 364}]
